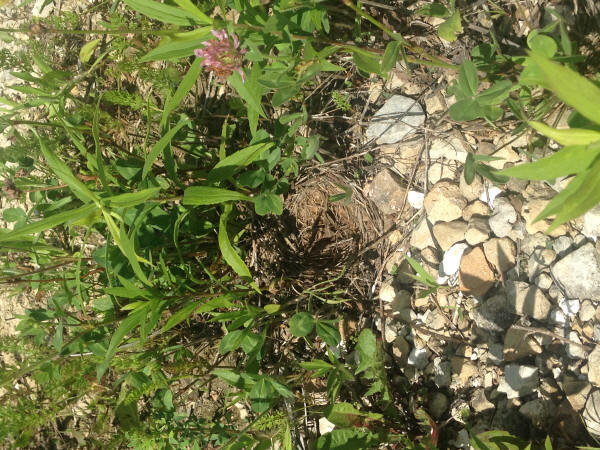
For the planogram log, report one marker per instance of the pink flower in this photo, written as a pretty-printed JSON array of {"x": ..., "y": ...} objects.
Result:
[{"x": 221, "y": 55}]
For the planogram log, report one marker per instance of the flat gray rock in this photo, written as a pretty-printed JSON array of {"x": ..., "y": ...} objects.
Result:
[
  {"x": 397, "y": 118},
  {"x": 579, "y": 273}
]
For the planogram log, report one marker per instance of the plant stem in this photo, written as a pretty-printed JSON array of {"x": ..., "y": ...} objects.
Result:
[{"x": 41, "y": 30}]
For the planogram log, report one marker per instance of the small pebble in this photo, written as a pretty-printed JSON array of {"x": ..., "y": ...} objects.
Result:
[{"x": 569, "y": 307}]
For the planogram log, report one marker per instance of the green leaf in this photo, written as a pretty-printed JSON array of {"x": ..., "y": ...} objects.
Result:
[
  {"x": 190, "y": 79},
  {"x": 318, "y": 365},
  {"x": 127, "y": 247},
  {"x": 465, "y": 110},
  {"x": 249, "y": 91},
  {"x": 48, "y": 222},
  {"x": 547, "y": 443},
  {"x": 345, "y": 415},
  {"x": 272, "y": 308},
  {"x": 468, "y": 78},
  {"x": 585, "y": 197},
  {"x": 433, "y": 10},
  {"x": 390, "y": 56},
  {"x": 367, "y": 62},
  {"x": 223, "y": 301},
  {"x": 128, "y": 416},
  {"x": 497, "y": 93},
  {"x": 229, "y": 254},
  {"x": 451, "y": 27},
  {"x": 469, "y": 171},
  {"x": 267, "y": 202},
  {"x": 567, "y": 161},
  {"x": 160, "y": 146},
  {"x": 14, "y": 215},
  {"x": 129, "y": 323},
  {"x": 349, "y": 439},
  {"x": 228, "y": 166},
  {"x": 570, "y": 136},
  {"x": 188, "y": 6},
  {"x": 87, "y": 50},
  {"x": 328, "y": 333},
  {"x": 497, "y": 440},
  {"x": 207, "y": 195},
  {"x": 231, "y": 341},
  {"x": 542, "y": 44},
  {"x": 262, "y": 395},
  {"x": 131, "y": 199},
  {"x": 181, "y": 315},
  {"x": 98, "y": 149},
  {"x": 367, "y": 350},
  {"x": 63, "y": 172},
  {"x": 572, "y": 88},
  {"x": 177, "y": 49},
  {"x": 424, "y": 277},
  {"x": 281, "y": 389},
  {"x": 302, "y": 324},
  {"x": 165, "y": 13}
]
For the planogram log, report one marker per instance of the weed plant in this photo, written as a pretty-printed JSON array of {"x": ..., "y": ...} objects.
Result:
[{"x": 142, "y": 167}]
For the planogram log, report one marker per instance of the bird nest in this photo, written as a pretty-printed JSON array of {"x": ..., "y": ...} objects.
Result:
[{"x": 328, "y": 228}]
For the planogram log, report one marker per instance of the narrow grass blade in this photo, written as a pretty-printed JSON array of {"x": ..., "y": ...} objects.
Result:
[
  {"x": 184, "y": 87},
  {"x": 96, "y": 136},
  {"x": 570, "y": 136},
  {"x": 159, "y": 147},
  {"x": 229, "y": 254},
  {"x": 48, "y": 222},
  {"x": 131, "y": 199},
  {"x": 129, "y": 323},
  {"x": 206, "y": 195},
  {"x": 165, "y": 13},
  {"x": 237, "y": 161},
  {"x": 63, "y": 172}
]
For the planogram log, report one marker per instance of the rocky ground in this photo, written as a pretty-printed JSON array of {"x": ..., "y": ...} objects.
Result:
[{"x": 511, "y": 335}]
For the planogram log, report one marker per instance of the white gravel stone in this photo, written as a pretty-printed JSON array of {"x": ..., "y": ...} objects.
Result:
[
  {"x": 451, "y": 260},
  {"x": 489, "y": 195},
  {"x": 325, "y": 426},
  {"x": 415, "y": 199},
  {"x": 387, "y": 293},
  {"x": 419, "y": 357},
  {"x": 558, "y": 317},
  {"x": 569, "y": 307},
  {"x": 518, "y": 380}
]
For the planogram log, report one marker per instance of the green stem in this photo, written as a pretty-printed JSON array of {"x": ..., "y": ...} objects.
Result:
[
  {"x": 33, "y": 30},
  {"x": 359, "y": 12}
]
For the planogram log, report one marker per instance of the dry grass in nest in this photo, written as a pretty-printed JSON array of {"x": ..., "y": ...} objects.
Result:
[{"x": 316, "y": 239}]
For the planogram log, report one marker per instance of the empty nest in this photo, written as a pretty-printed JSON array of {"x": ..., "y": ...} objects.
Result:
[{"x": 318, "y": 238}]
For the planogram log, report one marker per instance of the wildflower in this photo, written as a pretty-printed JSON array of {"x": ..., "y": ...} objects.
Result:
[{"x": 222, "y": 55}]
